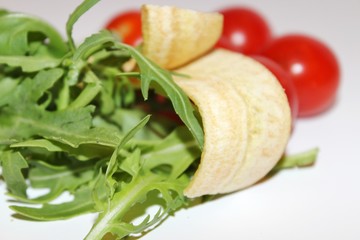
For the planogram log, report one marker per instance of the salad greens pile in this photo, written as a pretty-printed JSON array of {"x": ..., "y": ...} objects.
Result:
[{"x": 72, "y": 121}]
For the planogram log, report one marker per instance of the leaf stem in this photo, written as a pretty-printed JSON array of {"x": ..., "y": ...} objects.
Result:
[
  {"x": 120, "y": 204},
  {"x": 89, "y": 93},
  {"x": 64, "y": 96},
  {"x": 129, "y": 74},
  {"x": 302, "y": 159}
]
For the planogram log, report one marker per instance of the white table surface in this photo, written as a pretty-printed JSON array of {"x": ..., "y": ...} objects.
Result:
[{"x": 322, "y": 202}]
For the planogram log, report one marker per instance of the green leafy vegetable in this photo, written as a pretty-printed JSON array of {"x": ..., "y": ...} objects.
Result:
[
  {"x": 12, "y": 164},
  {"x": 30, "y": 63},
  {"x": 71, "y": 122},
  {"x": 81, "y": 204},
  {"x": 149, "y": 72},
  {"x": 60, "y": 178},
  {"x": 144, "y": 179},
  {"x": 23, "y": 35}
]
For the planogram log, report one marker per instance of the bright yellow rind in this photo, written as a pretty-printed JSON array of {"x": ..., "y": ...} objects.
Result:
[{"x": 173, "y": 36}]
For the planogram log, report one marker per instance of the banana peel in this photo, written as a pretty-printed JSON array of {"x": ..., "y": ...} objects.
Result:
[{"x": 244, "y": 109}]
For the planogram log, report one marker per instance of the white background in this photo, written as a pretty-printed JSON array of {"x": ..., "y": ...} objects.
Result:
[{"x": 322, "y": 202}]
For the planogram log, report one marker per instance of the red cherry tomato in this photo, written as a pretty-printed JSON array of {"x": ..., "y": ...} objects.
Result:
[
  {"x": 128, "y": 26},
  {"x": 285, "y": 81},
  {"x": 313, "y": 68},
  {"x": 244, "y": 30}
]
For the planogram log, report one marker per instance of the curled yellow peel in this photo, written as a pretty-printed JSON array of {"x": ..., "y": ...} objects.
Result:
[
  {"x": 247, "y": 98},
  {"x": 173, "y": 36}
]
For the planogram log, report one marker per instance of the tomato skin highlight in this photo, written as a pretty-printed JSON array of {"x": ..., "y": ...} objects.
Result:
[
  {"x": 286, "y": 82},
  {"x": 313, "y": 68},
  {"x": 244, "y": 30},
  {"x": 127, "y": 25}
]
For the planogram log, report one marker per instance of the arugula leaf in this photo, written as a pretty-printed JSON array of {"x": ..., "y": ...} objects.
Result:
[
  {"x": 23, "y": 118},
  {"x": 67, "y": 114},
  {"x": 112, "y": 165},
  {"x": 26, "y": 121},
  {"x": 93, "y": 44},
  {"x": 179, "y": 143},
  {"x": 144, "y": 179},
  {"x": 150, "y": 72},
  {"x": 84, "y": 152},
  {"x": 12, "y": 164},
  {"x": 7, "y": 88},
  {"x": 72, "y": 127},
  {"x": 182, "y": 105},
  {"x": 90, "y": 91},
  {"x": 32, "y": 89},
  {"x": 30, "y": 63},
  {"x": 123, "y": 120},
  {"x": 74, "y": 17},
  {"x": 57, "y": 179},
  {"x": 18, "y": 32},
  {"x": 81, "y": 204}
]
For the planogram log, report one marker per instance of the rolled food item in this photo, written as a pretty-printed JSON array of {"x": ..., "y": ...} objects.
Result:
[
  {"x": 246, "y": 120},
  {"x": 173, "y": 36},
  {"x": 244, "y": 110}
]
